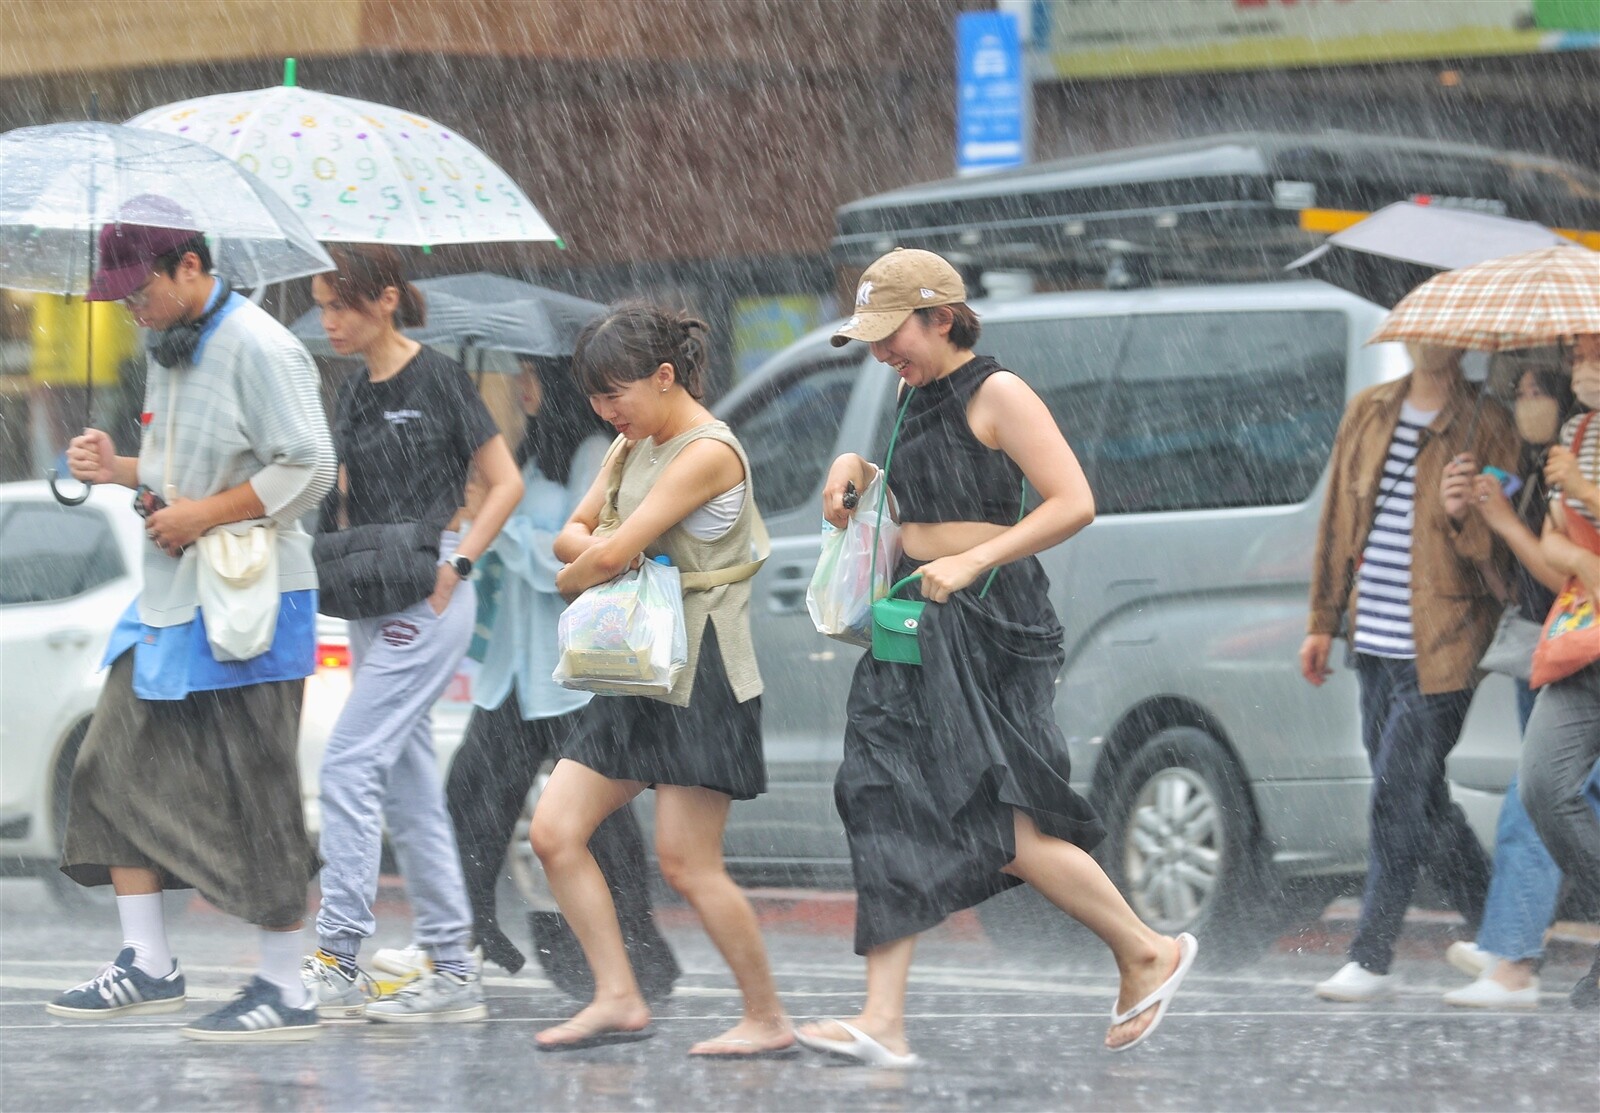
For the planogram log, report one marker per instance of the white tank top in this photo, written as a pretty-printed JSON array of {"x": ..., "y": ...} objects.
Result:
[{"x": 716, "y": 516}]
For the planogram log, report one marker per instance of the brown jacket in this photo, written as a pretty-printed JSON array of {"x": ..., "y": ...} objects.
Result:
[{"x": 1453, "y": 607}]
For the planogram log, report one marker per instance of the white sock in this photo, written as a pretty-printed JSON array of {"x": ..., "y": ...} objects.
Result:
[
  {"x": 281, "y": 954},
  {"x": 144, "y": 928}
]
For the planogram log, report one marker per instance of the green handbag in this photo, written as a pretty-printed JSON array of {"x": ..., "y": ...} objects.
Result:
[{"x": 897, "y": 622}]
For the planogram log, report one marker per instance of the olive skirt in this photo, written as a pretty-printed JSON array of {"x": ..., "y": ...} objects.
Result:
[{"x": 204, "y": 790}]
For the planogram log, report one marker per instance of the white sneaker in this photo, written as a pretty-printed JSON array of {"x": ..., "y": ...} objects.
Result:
[
  {"x": 435, "y": 997},
  {"x": 402, "y": 962},
  {"x": 1469, "y": 958},
  {"x": 336, "y": 996},
  {"x": 1486, "y": 993},
  {"x": 1355, "y": 982},
  {"x": 411, "y": 961}
]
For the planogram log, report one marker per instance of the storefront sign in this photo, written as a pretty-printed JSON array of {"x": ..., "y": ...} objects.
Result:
[
  {"x": 763, "y": 327},
  {"x": 991, "y": 93},
  {"x": 1115, "y": 38}
]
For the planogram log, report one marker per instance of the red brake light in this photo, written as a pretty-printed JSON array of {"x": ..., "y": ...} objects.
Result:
[{"x": 331, "y": 656}]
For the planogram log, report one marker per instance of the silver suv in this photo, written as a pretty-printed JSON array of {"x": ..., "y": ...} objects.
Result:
[{"x": 1204, "y": 418}]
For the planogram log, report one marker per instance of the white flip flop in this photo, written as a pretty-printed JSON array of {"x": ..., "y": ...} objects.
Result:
[
  {"x": 859, "y": 1048},
  {"x": 1188, "y": 947}
]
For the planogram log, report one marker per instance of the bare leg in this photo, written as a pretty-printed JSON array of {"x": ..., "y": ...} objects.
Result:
[
  {"x": 1074, "y": 882},
  {"x": 133, "y": 881},
  {"x": 689, "y": 823},
  {"x": 883, "y": 1017},
  {"x": 573, "y": 804}
]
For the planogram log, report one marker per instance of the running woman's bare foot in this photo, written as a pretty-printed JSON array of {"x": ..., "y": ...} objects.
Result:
[
  {"x": 891, "y": 1035},
  {"x": 597, "y": 1019},
  {"x": 1139, "y": 980},
  {"x": 748, "y": 1038}
]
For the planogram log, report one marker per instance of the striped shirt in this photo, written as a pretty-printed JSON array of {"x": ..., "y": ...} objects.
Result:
[
  {"x": 1383, "y": 584},
  {"x": 1588, "y": 454},
  {"x": 248, "y": 409}
]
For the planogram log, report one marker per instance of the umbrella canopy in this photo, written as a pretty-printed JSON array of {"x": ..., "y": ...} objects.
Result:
[
  {"x": 358, "y": 171},
  {"x": 1522, "y": 301},
  {"x": 1399, "y": 247},
  {"x": 486, "y": 311},
  {"x": 61, "y": 183}
]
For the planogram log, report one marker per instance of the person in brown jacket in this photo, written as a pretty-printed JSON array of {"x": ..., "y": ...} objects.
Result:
[{"x": 1413, "y": 588}]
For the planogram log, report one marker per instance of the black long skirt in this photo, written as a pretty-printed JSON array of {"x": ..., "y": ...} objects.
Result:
[
  {"x": 714, "y": 743},
  {"x": 938, "y": 757}
]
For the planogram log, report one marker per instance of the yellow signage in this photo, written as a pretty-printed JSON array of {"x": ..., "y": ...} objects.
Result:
[
  {"x": 1119, "y": 38},
  {"x": 61, "y": 341}
]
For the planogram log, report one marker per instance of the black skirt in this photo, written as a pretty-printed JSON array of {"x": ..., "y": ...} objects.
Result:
[
  {"x": 937, "y": 757},
  {"x": 713, "y": 743}
]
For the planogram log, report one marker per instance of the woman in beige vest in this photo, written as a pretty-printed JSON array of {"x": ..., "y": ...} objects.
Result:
[{"x": 678, "y": 484}]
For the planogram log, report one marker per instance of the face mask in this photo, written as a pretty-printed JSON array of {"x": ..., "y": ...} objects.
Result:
[
  {"x": 1538, "y": 420},
  {"x": 1586, "y": 383}
]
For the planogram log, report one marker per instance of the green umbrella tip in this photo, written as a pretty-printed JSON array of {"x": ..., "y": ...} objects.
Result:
[
  {"x": 561, "y": 244},
  {"x": 427, "y": 249},
  {"x": 288, "y": 73}
]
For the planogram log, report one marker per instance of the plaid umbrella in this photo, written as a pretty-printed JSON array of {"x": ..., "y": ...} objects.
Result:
[{"x": 1521, "y": 301}]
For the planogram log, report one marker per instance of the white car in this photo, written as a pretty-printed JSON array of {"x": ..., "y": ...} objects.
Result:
[{"x": 66, "y": 575}]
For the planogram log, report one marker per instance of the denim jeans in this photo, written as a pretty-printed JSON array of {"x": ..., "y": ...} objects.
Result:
[
  {"x": 1412, "y": 820},
  {"x": 1526, "y": 880}
]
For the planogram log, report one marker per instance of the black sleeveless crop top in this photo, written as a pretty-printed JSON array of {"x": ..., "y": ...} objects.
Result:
[{"x": 940, "y": 471}]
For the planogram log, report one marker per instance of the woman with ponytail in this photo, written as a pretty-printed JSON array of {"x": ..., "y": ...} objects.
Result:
[
  {"x": 679, "y": 484},
  {"x": 407, "y": 430}
]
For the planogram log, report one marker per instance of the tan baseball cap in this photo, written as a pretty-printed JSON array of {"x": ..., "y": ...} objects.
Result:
[{"x": 895, "y": 286}]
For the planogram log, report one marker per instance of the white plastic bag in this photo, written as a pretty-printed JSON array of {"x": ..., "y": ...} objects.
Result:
[
  {"x": 238, "y": 588},
  {"x": 625, "y": 636},
  {"x": 839, "y": 597}
]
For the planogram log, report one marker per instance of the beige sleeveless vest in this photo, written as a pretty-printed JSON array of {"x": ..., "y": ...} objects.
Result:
[{"x": 726, "y": 606}]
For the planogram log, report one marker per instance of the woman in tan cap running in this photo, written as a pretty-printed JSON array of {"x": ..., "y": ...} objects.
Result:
[{"x": 954, "y": 784}]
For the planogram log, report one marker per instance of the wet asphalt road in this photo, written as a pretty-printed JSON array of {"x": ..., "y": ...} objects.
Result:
[{"x": 997, "y": 1030}]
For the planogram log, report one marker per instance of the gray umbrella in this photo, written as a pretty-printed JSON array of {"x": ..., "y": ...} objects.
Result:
[
  {"x": 489, "y": 312},
  {"x": 1387, "y": 255}
]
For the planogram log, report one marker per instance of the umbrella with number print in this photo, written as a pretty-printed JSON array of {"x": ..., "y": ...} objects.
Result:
[{"x": 359, "y": 172}]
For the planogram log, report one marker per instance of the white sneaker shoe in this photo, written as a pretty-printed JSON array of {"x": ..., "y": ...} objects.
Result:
[
  {"x": 336, "y": 996},
  {"x": 411, "y": 961},
  {"x": 402, "y": 962},
  {"x": 1469, "y": 958},
  {"x": 1355, "y": 982},
  {"x": 1486, "y": 993},
  {"x": 435, "y": 997}
]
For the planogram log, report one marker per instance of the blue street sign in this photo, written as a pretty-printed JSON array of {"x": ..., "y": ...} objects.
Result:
[{"x": 991, "y": 87}]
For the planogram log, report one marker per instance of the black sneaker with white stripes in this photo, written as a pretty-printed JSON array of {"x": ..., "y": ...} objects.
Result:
[
  {"x": 120, "y": 989},
  {"x": 258, "y": 1013}
]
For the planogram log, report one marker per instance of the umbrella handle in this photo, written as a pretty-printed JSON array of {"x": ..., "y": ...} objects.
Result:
[{"x": 52, "y": 476}]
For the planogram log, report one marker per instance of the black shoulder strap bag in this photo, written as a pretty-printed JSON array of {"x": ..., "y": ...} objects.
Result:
[{"x": 378, "y": 569}]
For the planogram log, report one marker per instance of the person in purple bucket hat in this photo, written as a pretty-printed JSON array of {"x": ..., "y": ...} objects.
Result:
[{"x": 188, "y": 776}]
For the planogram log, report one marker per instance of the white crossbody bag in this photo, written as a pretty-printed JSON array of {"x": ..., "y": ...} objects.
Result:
[{"x": 236, "y": 576}]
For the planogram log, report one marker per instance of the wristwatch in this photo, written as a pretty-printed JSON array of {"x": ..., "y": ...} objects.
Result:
[{"x": 462, "y": 565}]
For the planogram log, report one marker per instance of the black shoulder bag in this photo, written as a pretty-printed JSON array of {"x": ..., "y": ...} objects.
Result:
[{"x": 378, "y": 569}]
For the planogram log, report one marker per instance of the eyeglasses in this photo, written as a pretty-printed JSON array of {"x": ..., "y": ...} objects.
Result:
[{"x": 141, "y": 295}]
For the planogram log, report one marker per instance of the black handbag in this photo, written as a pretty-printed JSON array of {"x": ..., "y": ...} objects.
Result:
[{"x": 377, "y": 569}]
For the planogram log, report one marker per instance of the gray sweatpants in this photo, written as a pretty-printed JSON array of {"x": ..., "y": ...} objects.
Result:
[
  {"x": 1559, "y": 750},
  {"x": 380, "y": 767}
]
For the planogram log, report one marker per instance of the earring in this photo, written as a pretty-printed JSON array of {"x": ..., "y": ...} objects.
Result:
[{"x": 663, "y": 390}]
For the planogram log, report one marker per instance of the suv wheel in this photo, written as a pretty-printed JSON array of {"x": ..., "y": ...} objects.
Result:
[{"x": 1181, "y": 844}]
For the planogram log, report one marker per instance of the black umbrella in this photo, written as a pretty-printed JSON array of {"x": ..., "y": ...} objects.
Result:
[
  {"x": 488, "y": 312},
  {"x": 1399, "y": 247}
]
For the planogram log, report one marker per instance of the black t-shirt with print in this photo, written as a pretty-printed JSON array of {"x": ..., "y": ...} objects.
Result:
[{"x": 406, "y": 443}]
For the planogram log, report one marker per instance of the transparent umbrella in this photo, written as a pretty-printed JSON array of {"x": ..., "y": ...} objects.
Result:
[
  {"x": 60, "y": 183},
  {"x": 359, "y": 171}
]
